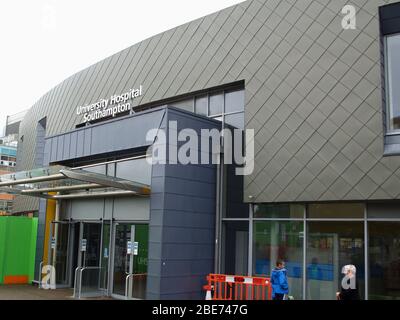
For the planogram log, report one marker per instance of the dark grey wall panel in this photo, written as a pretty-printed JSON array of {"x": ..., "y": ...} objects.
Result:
[
  {"x": 87, "y": 143},
  {"x": 79, "y": 145},
  {"x": 390, "y": 19},
  {"x": 182, "y": 223},
  {"x": 74, "y": 145},
  {"x": 67, "y": 146},
  {"x": 60, "y": 147},
  {"x": 53, "y": 151},
  {"x": 47, "y": 149},
  {"x": 114, "y": 136}
]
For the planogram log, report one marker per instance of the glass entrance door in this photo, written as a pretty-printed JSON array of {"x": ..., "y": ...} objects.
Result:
[
  {"x": 90, "y": 242},
  {"x": 59, "y": 251},
  {"x": 89, "y": 257},
  {"x": 130, "y": 260}
]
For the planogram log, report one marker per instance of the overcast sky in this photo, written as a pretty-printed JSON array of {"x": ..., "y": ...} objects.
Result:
[{"x": 45, "y": 41}]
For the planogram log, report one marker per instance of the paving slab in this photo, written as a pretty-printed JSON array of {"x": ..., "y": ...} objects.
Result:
[{"x": 31, "y": 292}]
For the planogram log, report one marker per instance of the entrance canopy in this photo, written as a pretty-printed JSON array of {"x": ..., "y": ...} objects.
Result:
[{"x": 58, "y": 183}]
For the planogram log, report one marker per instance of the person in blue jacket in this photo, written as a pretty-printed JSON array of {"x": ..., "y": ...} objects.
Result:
[{"x": 279, "y": 282}]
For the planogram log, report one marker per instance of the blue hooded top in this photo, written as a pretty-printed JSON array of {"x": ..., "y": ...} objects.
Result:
[{"x": 279, "y": 282}]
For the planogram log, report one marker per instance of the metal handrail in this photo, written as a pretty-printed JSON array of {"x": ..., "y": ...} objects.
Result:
[
  {"x": 129, "y": 277},
  {"x": 40, "y": 274},
  {"x": 127, "y": 282},
  {"x": 80, "y": 278},
  {"x": 77, "y": 271}
]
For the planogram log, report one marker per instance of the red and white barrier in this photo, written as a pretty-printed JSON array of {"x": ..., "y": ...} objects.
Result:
[{"x": 228, "y": 287}]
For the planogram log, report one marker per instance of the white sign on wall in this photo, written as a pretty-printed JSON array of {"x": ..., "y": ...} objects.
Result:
[{"x": 111, "y": 107}]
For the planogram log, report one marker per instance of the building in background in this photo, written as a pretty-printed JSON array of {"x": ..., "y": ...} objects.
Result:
[
  {"x": 8, "y": 161},
  {"x": 8, "y": 157},
  {"x": 12, "y": 124}
]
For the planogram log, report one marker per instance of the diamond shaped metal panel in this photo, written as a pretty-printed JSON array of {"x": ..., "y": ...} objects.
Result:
[
  {"x": 345, "y": 71},
  {"x": 306, "y": 80}
]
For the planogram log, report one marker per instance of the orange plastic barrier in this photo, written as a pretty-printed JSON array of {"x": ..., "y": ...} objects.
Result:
[
  {"x": 226, "y": 287},
  {"x": 16, "y": 279}
]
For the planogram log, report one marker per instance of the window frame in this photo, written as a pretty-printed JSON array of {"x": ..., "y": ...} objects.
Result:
[{"x": 388, "y": 92}]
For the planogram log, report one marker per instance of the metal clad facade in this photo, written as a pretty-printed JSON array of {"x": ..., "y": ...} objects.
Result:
[{"x": 313, "y": 94}]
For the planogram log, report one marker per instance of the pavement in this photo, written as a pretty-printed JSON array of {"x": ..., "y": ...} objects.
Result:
[{"x": 31, "y": 292}]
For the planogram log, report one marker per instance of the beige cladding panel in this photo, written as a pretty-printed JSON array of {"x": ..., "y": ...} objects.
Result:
[{"x": 313, "y": 93}]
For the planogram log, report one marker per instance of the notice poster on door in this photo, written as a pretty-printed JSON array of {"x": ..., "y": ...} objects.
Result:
[
  {"x": 135, "y": 248},
  {"x": 83, "y": 245},
  {"x": 129, "y": 247}
]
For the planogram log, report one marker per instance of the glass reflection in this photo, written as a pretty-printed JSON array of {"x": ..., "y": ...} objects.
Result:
[
  {"x": 330, "y": 246},
  {"x": 384, "y": 260},
  {"x": 275, "y": 240}
]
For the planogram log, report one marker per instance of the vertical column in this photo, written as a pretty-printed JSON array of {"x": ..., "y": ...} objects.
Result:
[
  {"x": 250, "y": 256},
  {"x": 304, "y": 255},
  {"x": 366, "y": 260}
]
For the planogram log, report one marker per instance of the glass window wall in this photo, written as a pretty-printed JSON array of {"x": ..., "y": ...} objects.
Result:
[
  {"x": 273, "y": 240},
  {"x": 384, "y": 260},
  {"x": 330, "y": 246}
]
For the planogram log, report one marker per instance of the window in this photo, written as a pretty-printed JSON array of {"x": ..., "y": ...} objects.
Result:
[
  {"x": 392, "y": 49},
  {"x": 278, "y": 211},
  {"x": 336, "y": 211},
  {"x": 236, "y": 120},
  {"x": 233, "y": 194},
  {"x": 384, "y": 261},
  {"x": 273, "y": 240},
  {"x": 138, "y": 170},
  {"x": 100, "y": 169},
  {"x": 202, "y": 105},
  {"x": 184, "y": 105},
  {"x": 216, "y": 104},
  {"x": 235, "y": 235},
  {"x": 234, "y": 101},
  {"x": 330, "y": 246}
]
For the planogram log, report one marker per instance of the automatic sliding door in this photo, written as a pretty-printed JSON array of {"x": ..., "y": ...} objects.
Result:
[
  {"x": 130, "y": 260},
  {"x": 140, "y": 260},
  {"x": 122, "y": 236},
  {"x": 91, "y": 240},
  {"x": 61, "y": 239},
  {"x": 89, "y": 259}
]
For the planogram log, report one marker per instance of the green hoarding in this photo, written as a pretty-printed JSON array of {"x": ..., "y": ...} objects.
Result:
[{"x": 17, "y": 249}]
